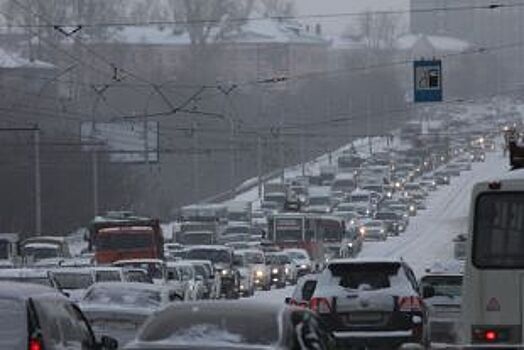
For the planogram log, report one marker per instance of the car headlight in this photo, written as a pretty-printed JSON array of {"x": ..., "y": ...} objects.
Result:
[
  {"x": 382, "y": 230},
  {"x": 362, "y": 231},
  {"x": 389, "y": 194},
  {"x": 352, "y": 222},
  {"x": 397, "y": 184},
  {"x": 259, "y": 273},
  {"x": 401, "y": 228},
  {"x": 350, "y": 244},
  {"x": 412, "y": 208},
  {"x": 225, "y": 272},
  {"x": 275, "y": 271},
  {"x": 286, "y": 271},
  {"x": 303, "y": 266},
  {"x": 405, "y": 215}
]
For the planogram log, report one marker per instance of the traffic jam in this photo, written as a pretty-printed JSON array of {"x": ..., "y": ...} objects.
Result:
[{"x": 284, "y": 271}]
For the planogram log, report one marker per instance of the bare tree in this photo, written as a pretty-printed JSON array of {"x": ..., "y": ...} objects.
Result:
[{"x": 275, "y": 8}]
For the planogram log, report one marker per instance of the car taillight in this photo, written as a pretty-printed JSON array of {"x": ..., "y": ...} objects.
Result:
[
  {"x": 410, "y": 304},
  {"x": 35, "y": 344},
  {"x": 320, "y": 305}
]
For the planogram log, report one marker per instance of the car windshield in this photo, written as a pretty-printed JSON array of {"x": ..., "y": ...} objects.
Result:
[
  {"x": 40, "y": 253},
  {"x": 4, "y": 250},
  {"x": 138, "y": 276},
  {"x": 123, "y": 297},
  {"x": 319, "y": 201},
  {"x": 343, "y": 184},
  {"x": 13, "y": 328},
  {"x": 214, "y": 255},
  {"x": 374, "y": 224},
  {"x": 297, "y": 255},
  {"x": 236, "y": 229},
  {"x": 367, "y": 276},
  {"x": 154, "y": 270},
  {"x": 277, "y": 259},
  {"x": 107, "y": 276},
  {"x": 194, "y": 238},
  {"x": 254, "y": 258},
  {"x": 448, "y": 286},
  {"x": 200, "y": 270},
  {"x": 386, "y": 216},
  {"x": 72, "y": 280}
]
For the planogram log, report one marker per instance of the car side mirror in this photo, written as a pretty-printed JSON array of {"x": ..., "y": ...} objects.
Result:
[
  {"x": 212, "y": 277},
  {"x": 428, "y": 292},
  {"x": 108, "y": 343},
  {"x": 287, "y": 300}
]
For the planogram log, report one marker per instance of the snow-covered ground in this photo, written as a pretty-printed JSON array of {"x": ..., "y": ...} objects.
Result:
[{"x": 428, "y": 239}]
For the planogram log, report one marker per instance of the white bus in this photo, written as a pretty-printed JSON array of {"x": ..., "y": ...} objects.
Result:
[{"x": 493, "y": 297}]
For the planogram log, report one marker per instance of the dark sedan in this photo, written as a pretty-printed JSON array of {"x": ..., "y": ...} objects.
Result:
[{"x": 232, "y": 325}]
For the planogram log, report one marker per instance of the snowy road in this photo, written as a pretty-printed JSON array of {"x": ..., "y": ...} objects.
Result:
[{"x": 429, "y": 236}]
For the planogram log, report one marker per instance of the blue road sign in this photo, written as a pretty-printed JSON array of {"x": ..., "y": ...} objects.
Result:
[{"x": 428, "y": 80}]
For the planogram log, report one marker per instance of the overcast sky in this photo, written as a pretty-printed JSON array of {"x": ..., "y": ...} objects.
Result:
[{"x": 334, "y": 26}]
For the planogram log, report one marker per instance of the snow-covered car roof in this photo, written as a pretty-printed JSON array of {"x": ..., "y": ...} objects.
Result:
[
  {"x": 42, "y": 245},
  {"x": 244, "y": 251},
  {"x": 23, "y": 272},
  {"x": 365, "y": 261},
  {"x": 23, "y": 291},
  {"x": 139, "y": 261},
  {"x": 131, "y": 285},
  {"x": 210, "y": 247}
]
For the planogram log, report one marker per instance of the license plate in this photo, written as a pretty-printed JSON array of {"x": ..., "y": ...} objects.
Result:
[{"x": 364, "y": 317}]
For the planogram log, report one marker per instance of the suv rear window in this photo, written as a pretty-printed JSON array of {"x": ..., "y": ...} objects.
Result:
[{"x": 371, "y": 276}]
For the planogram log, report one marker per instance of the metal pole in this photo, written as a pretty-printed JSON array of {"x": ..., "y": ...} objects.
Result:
[
  {"x": 232, "y": 164},
  {"x": 94, "y": 159},
  {"x": 38, "y": 183},
  {"x": 259, "y": 165},
  {"x": 281, "y": 156},
  {"x": 196, "y": 165}
]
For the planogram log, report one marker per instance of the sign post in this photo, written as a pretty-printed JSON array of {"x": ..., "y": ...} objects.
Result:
[{"x": 427, "y": 81}]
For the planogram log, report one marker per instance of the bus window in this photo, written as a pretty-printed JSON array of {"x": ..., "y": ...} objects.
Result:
[
  {"x": 310, "y": 230},
  {"x": 498, "y": 241}
]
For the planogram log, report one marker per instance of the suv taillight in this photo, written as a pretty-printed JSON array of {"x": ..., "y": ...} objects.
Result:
[
  {"x": 320, "y": 305},
  {"x": 410, "y": 304},
  {"x": 35, "y": 344}
]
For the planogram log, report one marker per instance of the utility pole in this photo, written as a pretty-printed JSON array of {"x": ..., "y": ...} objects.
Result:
[
  {"x": 196, "y": 165},
  {"x": 94, "y": 155},
  {"x": 38, "y": 183},
  {"x": 259, "y": 165}
]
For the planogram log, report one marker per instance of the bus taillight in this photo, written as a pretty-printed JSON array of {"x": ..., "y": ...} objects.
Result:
[
  {"x": 487, "y": 334},
  {"x": 490, "y": 336}
]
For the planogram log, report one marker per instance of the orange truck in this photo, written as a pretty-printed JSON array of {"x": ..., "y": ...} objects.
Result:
[{"x": 123, "y": 236}]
